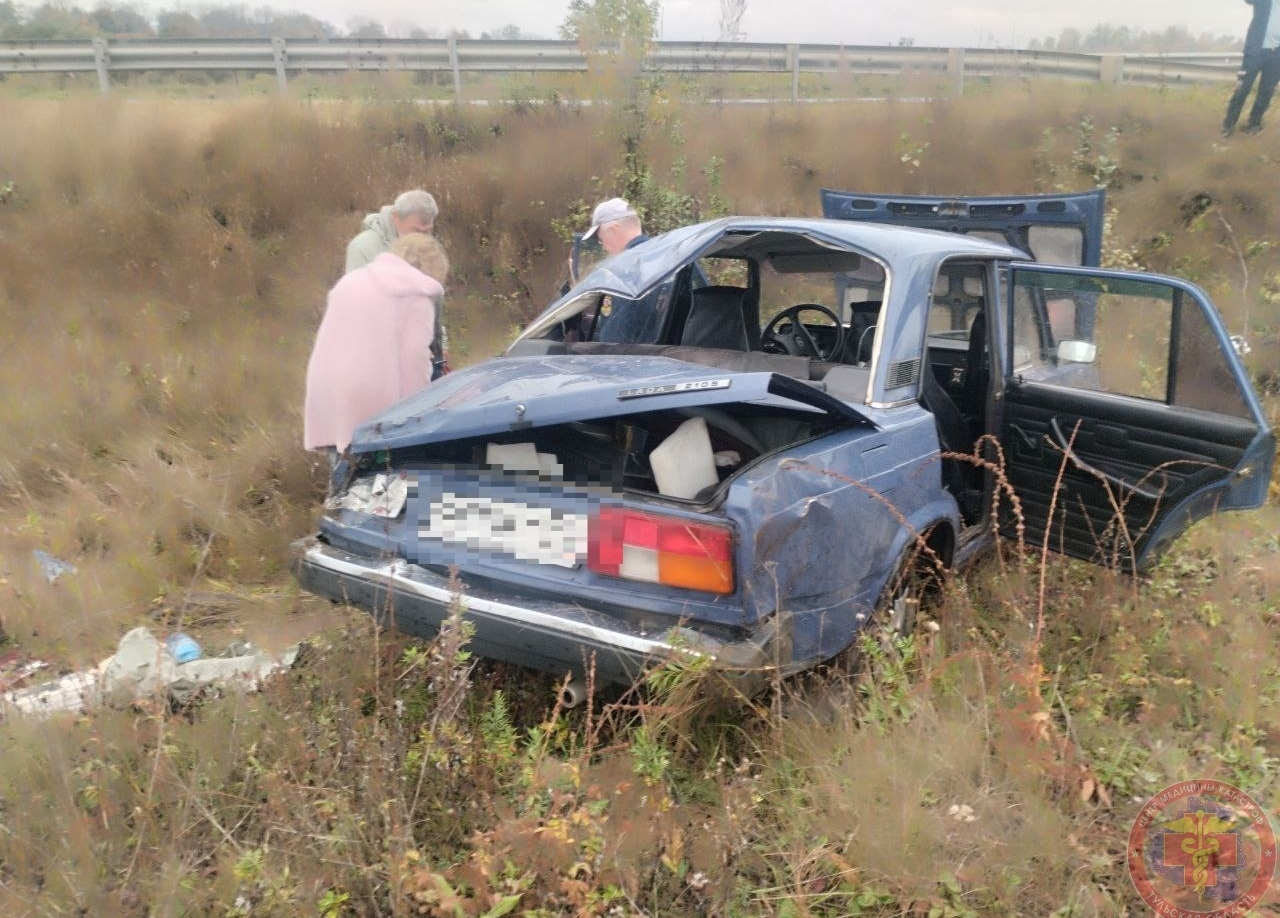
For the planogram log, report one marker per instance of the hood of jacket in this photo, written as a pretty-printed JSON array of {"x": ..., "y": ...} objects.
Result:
[
  {"x": 381, "y": 224},
  {"x": 395, "y": 277}
]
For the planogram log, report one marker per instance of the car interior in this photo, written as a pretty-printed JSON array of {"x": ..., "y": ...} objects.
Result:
[
  {"x": 956, "y": 385},
  {"x": 758, "y": 296},
  {"x": 765, "y": 295},
  {"x": 781, "y": 302}
]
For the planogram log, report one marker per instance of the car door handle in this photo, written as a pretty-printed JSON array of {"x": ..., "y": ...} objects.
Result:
[
  {"x": 1024, "y": 440},
  {"x": 1129, "y": 487}
]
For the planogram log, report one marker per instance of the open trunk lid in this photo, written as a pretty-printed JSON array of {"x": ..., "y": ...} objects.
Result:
[{"x": 519, "y": 393}]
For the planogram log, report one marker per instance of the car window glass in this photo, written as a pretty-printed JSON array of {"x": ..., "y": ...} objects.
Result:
[
  {"x": 1204, "y": 378},
  {"x": 584, "y": 256},
  {"x": 1029, "y": 335},
  {"x": 1126, "y": 336},
  {"x": 1097, "y": 334}
]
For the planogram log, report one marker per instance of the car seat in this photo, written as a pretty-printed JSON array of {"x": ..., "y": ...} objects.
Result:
[
  {"x": 954, "y": 436},
  {"x": 717, "y": 318},
  {"x": 862, "y": 331}
]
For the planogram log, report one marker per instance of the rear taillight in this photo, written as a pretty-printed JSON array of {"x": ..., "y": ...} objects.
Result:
[{"x": 660, "y": 549}]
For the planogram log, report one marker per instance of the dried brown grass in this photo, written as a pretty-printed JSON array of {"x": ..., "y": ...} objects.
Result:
[{"x": 162, "y": 270}]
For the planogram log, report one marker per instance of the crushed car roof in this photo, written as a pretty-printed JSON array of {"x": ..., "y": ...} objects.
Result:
[{"x": 633, "y": 272}]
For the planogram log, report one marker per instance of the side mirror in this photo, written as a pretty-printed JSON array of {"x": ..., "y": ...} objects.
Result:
[{"x": 1077, "y": 351}]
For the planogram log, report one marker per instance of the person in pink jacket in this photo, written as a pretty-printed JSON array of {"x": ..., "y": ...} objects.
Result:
[{"x": 372, "y": 347}]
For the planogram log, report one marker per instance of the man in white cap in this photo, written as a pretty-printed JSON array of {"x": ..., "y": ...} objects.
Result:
[
  {"x": 618, "y": 228},
  {"x": 616, "y": 225}
]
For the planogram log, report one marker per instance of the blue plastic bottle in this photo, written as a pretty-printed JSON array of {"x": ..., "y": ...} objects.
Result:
[{"x": 183, "y": 647}]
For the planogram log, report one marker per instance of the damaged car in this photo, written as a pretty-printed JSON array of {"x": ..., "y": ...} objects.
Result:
[{"x": 828, "y": 409}]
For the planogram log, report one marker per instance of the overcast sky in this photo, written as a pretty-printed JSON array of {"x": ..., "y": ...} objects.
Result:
[{"x": 948, "y": 23}]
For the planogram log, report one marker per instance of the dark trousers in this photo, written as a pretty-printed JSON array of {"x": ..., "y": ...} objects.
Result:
[{"x": 1264, "y": 64}]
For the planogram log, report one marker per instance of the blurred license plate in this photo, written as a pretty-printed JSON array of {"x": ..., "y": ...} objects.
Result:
[{"x": 538, "y": 534}]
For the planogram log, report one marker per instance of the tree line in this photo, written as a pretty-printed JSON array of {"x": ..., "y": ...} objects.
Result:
[
  {"x": 1103, "y": 39},
  {"x": 587, "y": 20},
  {"x": 54, "y": 21}
]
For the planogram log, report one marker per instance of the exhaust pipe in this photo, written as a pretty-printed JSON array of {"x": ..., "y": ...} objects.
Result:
[{"x": 573, "y": 693}]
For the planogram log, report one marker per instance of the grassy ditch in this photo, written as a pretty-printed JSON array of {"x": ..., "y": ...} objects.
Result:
[{"x": 163, "y": 267}]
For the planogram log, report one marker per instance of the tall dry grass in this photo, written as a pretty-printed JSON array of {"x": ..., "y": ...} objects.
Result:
[{"x": 162, "y": 271}]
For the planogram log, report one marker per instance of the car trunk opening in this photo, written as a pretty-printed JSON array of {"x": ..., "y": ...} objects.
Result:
[{"x": 682, "y": 452}]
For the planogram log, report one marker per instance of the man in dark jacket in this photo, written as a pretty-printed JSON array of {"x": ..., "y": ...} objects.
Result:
[
  {"x": 1261, "y": 63},
  {"x": 618, "y": 228}
]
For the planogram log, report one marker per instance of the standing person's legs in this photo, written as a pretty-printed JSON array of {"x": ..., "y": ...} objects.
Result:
[
  {"x": 1244, "y": 82},
  {"x": 1266, "y": 89}
]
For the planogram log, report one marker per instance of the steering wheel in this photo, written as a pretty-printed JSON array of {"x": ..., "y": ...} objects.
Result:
[{"x": 796, "y": 340}]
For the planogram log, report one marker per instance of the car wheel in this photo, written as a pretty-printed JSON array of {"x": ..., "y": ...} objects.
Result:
[
  {"x": 917, "y": 576},
  {"x": 828, "y": 692}
]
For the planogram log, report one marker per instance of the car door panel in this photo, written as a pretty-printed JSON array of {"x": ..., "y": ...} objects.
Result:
[
  {"x": 1106, "y": 469},
  {"x": 1127, "y": 421}
]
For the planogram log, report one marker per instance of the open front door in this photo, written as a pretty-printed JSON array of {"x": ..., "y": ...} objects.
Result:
[{"x": 1127, "y": 414}]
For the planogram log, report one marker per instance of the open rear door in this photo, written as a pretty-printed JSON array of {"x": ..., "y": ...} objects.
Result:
[
  {"x": 1064, "y": 229},
  {"x": 1127, "y": 413}
]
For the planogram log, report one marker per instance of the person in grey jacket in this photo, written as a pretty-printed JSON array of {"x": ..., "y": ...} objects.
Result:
[
  {"x": 1261, "y": 64},
  {"x": 412, "y": 212}
]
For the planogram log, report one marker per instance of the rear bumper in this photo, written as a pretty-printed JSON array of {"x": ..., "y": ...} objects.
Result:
[{"x": 546, "y": 635}]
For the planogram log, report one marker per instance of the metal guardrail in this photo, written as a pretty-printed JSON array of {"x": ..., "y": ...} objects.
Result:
[{"x": 458, "y": 57}]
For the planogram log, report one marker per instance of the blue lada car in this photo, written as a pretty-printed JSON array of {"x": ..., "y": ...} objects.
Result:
[{"x": 827, "y": 408}]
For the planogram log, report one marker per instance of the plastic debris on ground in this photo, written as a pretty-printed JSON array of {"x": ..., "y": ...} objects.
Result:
[
  {"x": 16, "y": 668},
  {"x": 142, "y": 666},
  {"x": 52, "y": 567},
  {"x": 183, "y": 647}
]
